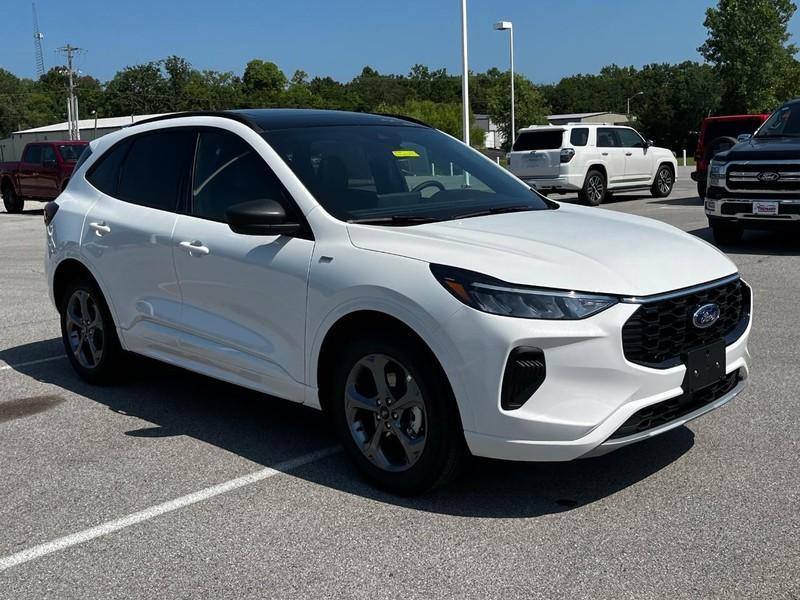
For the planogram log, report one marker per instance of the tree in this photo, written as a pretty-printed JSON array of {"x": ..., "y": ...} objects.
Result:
[
  {"x": 141, "y": 89},
  {"x": 446, "y": 117},
  {"x": 748, "y": 45},
  {"x": 263, "y": 83}
]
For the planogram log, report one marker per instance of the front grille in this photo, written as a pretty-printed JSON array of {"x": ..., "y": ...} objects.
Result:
[
  {"x": 660, "y": 333},
  {"x": 667, "y": 411},
  {"x": 735, "y": 208},
  {"x": 745, "y": 177}
]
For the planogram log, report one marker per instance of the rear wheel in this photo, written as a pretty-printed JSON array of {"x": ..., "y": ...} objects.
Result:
[
  {"x": 663, "y": 182},
  {"x": 726, "y": 233},
  {"x": 594, "y": 189},
  {"x": 88, "y": 332},
  {"x": 12, "y": 202},
  {"x": 395, "y": 414}
]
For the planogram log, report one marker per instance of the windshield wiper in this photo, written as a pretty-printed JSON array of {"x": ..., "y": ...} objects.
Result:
[
  {"x": 778, "y": 135},
  {"x": 495, "y": 211},
  {"x": 395, "y": 220}
]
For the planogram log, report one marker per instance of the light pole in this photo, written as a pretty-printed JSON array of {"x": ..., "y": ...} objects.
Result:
[
  {"x": 464, "y": 72},
  {"x": 503, "y": 26},
  {"x": 628, "y": 114}
]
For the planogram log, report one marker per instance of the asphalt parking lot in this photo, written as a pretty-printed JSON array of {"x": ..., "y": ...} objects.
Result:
[{"x": 172, "y": 485}]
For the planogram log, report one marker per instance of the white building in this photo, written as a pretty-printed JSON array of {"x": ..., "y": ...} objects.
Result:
[{"x": 11, "y": 147}]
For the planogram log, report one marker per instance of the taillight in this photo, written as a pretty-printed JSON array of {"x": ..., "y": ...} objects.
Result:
[
  {"x": 50, "y": 210},
  {"x": 567, "y": 154}
]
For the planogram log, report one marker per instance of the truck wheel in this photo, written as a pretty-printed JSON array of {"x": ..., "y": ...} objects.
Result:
[
  {"x": 726, "y": 233},
  {"x": 88, "y": 332},
  {"x": 594, "y": 189},
  {"x": 701, "y": 189},
  {"x": 395, "y": 414},
  {"x": 663, "y": 182},
  {"x": 12, "y": 202}
]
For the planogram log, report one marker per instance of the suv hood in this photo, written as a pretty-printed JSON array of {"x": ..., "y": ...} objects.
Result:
[
  {"x": 574, "y": 248},
  {"x": 763, "y": 149}
]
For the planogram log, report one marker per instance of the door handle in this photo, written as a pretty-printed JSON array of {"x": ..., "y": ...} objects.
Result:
[
  {"x": 604, "y": 153},
  {"x": 195, "y": 247},
  {"x": 629, "y": 154},
  {"x": 100, "y": 228}
]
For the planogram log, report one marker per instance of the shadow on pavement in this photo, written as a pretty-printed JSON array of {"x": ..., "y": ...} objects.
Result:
[
  {"x": 690, "y": 201},
  {"x": 768, "y": 243},
  {"x": 268, "y": 431}
]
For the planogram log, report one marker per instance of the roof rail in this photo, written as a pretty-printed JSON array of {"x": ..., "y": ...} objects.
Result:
[
  {"x": 402, "y": 118},
  {"x": 234, "y": 116}
]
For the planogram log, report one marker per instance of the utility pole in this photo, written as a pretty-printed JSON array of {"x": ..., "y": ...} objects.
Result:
[
  {"x": 464, "y": 72},
  {"x": 72, "y": 100}
]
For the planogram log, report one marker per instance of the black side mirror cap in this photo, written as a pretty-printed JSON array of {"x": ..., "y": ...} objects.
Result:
[
  {"x": 649, "y": 143},
  {"x": 260, "y": 217}
]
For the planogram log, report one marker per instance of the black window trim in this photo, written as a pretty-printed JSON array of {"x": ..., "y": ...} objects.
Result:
[{"x": 293, "y": 209}]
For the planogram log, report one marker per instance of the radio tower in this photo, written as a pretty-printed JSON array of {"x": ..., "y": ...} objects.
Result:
[{"x": 38, "y": 36}]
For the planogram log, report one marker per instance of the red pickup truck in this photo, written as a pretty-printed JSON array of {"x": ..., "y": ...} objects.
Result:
[{"x": 41, "y": 175}]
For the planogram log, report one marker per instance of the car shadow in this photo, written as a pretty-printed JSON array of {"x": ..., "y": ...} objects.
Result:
[
  {"x": 767, "y": 243},
  {"x": 30, "y": 212},
  {"x": 268, "y": 431},
  {"x": 685, "y": 201}
]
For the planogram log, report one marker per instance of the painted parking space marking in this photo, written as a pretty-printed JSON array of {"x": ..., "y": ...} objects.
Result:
[
  {"x": 32, "y": 362},
  {"x": 108, "y": 527}
]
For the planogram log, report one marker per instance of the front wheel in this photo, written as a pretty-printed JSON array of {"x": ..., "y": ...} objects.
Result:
[
  {"x": 663, "y": 182},
  {"x": 88, "y": 332},
  {"x": 395, "y": 414},
  {"x": 12, "y": 202},
  {"x": 594, "y": 189}
]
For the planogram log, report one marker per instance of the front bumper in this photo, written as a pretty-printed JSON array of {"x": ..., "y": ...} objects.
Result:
[
  {"x": 590, "y": 390},
  {"x": 720, "y": 204}
]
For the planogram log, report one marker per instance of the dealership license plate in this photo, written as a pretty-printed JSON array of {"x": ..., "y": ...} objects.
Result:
[
  {"x": 704, "y": 366},
  {"x": 766, "y": 209}
]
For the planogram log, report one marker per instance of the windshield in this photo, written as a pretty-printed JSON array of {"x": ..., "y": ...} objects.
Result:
[
  {"x": 71, "y": 151},
  {"x": 785, "y": 122},
  {"x": 398, "y": 175}
]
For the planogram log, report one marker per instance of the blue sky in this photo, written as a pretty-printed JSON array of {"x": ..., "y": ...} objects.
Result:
[{"x": 554, "y": 38}]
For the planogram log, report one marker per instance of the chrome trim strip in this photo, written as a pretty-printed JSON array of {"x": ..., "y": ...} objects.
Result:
[
  {"x": 678, "y": 293},
  {"x": 637, "y": 437}
]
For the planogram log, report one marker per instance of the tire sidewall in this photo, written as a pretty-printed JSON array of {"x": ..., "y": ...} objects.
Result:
[
  {"x": 586, "y": 198},
  {"x": 11, "y": 201},
  {"x": 443, "y": 426},
  {"x": 656, "y": 191}
]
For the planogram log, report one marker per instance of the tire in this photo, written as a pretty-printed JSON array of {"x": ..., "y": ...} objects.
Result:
[
  {"x": 594, "y": 188},
  {"x": 13, "y": 203},
  {"x": 726, "y": 233},
  {"x": 88, "y": 333},
  {"x": 701, "y": 189},
  {"x": 432, "y": 450},
  {"x": 663, "y": 182}
]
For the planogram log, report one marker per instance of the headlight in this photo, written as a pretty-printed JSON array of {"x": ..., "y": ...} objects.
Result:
[
  {"x": 716, "y": 173},
  {"x": 500, "y": 298}
]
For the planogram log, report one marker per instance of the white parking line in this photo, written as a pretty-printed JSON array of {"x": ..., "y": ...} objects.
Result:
[
  {"x": 32, "y": 362},
  {"x": 159, "y": 509}
]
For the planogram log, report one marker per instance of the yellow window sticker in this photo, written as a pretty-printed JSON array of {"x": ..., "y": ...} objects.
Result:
[{"x": 405, "y": 153}]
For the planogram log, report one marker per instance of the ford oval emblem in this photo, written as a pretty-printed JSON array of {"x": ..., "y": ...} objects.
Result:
[
  {"x": 768, "y": 176},
  {"x": 706, "y": 316}
]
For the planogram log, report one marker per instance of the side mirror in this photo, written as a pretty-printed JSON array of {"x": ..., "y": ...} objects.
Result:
[
  {"x": 50, "y": 164},
  {"x": 743, "y": 137},
  {"x": 260, "y": 217},
  {"x": 649, "y": 143}
]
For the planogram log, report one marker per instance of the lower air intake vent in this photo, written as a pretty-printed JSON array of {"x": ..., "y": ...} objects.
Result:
[{"x": 525, "y": 372}]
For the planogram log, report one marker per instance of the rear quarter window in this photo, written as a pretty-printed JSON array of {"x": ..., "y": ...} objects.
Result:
[
  {"x": 579, "y": 136},
  {"x": 104, "y": 174},
  {"x": 539, "y": 140}
]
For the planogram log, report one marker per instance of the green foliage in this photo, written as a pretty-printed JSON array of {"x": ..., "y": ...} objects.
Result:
[
  {"x": 443, "y": 116},
  {"x": 748, "y": 44}
]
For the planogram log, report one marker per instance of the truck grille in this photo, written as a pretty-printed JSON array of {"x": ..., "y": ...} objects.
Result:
[
  {"x": 660, "y": 333},
  {"x": 752, "y": 177},
  {"x": 667, "y": 411}
]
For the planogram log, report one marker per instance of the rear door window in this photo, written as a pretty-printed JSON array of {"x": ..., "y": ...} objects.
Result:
[
  {"x": 607, "y": 138},
  {"x": 48, "y": 154},
  {"x": 33, "y": 155},
  {"x": 539, "y": 140},
  {"x": 579, "y": 136},
  {"x": 155, "y": 169}
]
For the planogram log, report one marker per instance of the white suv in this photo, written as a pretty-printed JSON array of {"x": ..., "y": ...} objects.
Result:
[
  {"x": 593, "y": 160},
  {"x": 380, "y": 270}
]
